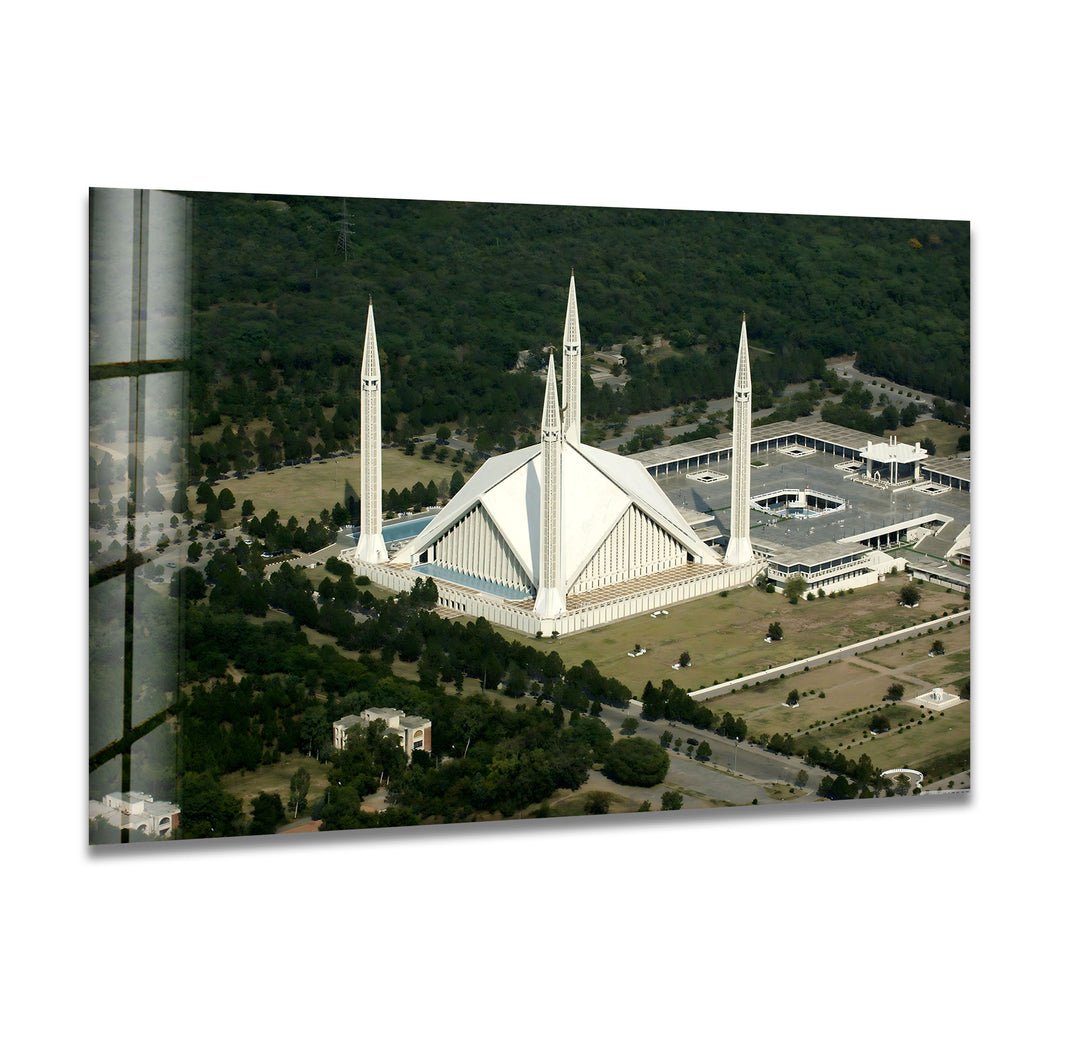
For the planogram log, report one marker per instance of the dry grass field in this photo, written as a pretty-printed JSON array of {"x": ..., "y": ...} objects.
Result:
[
  {"x": 725, "y": 637},
  {"x": 944, "y": 436},
  {"x": 838, "y": 701},
  {"x": 305, "y": 490},
  {"x": 274, "y": 778},
  {"x": 302, "y": 491}
]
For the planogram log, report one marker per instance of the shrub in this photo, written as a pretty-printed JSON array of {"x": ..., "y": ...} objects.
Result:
[
  {"x": 636, "y": 762},
  {"x": 597, "y": 803}
]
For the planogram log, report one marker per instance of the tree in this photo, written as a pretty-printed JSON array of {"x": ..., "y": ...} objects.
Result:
[
  {"x": 226, "y": 500},
  {"x": 442, "y": 434},
  {"x": 938, "y": 647},
  {"x": 629, "y": 726},
  {"x": 194, "y": 552},
  {"x": 879, "y": 723},
  {"x": 247, "y": 508},
  {"x": 909, "y": 595},
  {"x": 684, "y": 659},
  {"x": 671, "y": 800},
  {"x": 188, "y": 583},
  {"x": 594, "y": 733},
  {"x": 653, "y": 702},
  {"x": 703, "y": 752},
  {"x": 207, "y": 809},
  {"x": 636, "y": 762},
  {"x": 267, "y": 813},
  {"x": 776, "y": 632},
  {"x": 298, "y": 790},
  {"x": 794, "y": 588},
  {"x": 793, "y": 697},
  {"x": 895, "y": 692}
]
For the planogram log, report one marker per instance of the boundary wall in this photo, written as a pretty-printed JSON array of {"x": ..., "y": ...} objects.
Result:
[{"x": 641, "y": 597}]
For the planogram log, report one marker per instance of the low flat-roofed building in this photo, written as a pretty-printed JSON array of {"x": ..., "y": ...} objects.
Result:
[
  {"x": 845, "y": 442},
  {"x": 953, "y": 472},
  {"x": 947, "y": 574},
  {"x": 918, "y": 510},
  {"x": 138, "y": 812},
  {"x": 828, "y": 567}
]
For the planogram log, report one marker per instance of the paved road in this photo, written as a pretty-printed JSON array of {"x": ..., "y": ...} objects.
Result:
[{"x": 737, "y": 774}]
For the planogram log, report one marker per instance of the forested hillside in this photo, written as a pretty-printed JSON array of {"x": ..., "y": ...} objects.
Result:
[{"x": 461, "y": 288}]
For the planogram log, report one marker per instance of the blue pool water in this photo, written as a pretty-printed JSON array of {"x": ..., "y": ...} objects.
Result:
[
  {"x": 394, "y": 532},
  {"x": 404, "y": 530},
  {"x": 483, "y": 585}
]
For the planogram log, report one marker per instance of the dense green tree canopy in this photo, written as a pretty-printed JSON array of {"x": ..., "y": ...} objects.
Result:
[
  {"x": 636, "y": 761},
  {"x": 460, "y": 289}
]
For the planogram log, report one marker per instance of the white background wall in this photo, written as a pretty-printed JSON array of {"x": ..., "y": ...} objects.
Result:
[{"x": 723, "y": 923}]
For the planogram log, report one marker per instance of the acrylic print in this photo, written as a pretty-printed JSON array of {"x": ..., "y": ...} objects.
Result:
[{"x": 410, "y": 512}]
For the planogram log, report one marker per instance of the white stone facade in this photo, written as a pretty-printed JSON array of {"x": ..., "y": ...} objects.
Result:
[
  {"x": 560, "y": 536},
  {"x": 571, "y": 364},
  {"x": 138, "y": 812},
  {"x": 412, "y": 733},
  {"x": 370, "y": 546},
  {"x": 739, "y": 550}
]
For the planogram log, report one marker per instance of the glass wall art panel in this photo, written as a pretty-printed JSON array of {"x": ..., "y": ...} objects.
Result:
[{"x": 410, "y": 512}]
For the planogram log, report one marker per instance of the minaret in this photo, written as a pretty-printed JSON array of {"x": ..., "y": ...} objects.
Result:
[
  {"x": 739, "y": 551},
  {"x": 550, "y": 599},
  {"x": 571, "y": 368},
  {"x": 370, "y": 546}
]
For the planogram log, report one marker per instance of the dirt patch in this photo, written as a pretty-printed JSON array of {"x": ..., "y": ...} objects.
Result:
[{"x": 624, "y": 798}]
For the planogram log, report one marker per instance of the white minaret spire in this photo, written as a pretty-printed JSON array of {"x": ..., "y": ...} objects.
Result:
[
  {"x": 370, "y": 546},
  {"x": 739, "y": 551},
  {"x": 571, "y": 368},
  {"x": 550, "y": 597}
]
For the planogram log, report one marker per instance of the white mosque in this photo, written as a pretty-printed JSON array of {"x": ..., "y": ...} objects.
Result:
[{"x": 556, "y": 537}]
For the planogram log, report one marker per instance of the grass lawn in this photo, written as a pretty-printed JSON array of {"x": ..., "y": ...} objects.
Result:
[
  {"x": 854, "y": 691},
  {"x": 624, "y": 798},
  {"x": 725, "y": 636},
  {"x": 274, "y": 778},
  {"x": 944, "y": 436},
  {"x": 915, "y": 745},
  {"x": 912, "y": 658},
  {"x": 305, "y": 490},
  {"x": 849, "y": 686}
]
